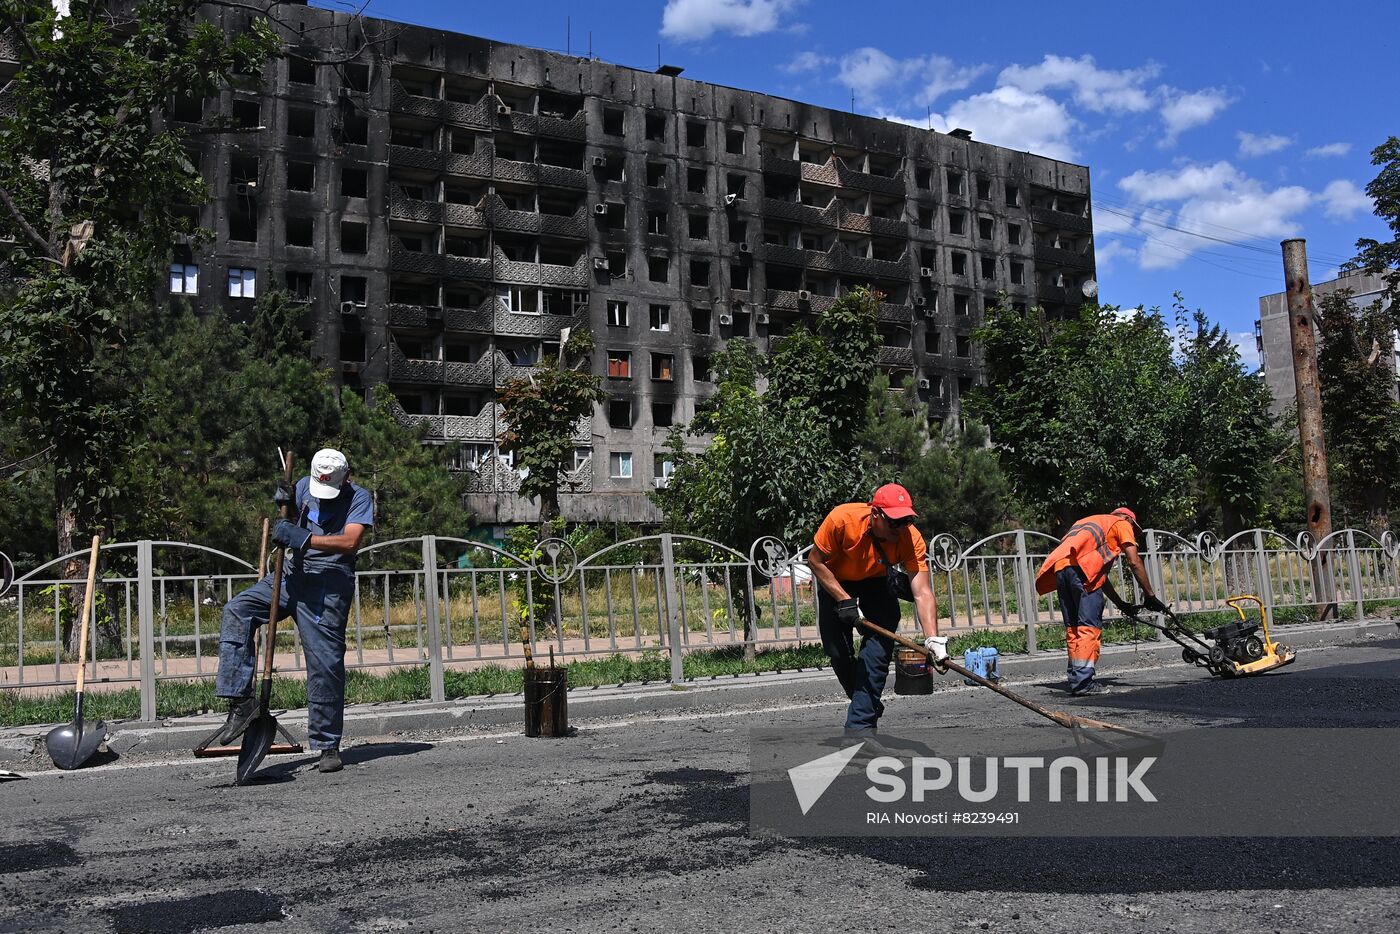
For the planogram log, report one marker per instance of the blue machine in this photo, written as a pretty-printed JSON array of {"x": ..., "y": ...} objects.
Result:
[{"x": 982, "y": 662}]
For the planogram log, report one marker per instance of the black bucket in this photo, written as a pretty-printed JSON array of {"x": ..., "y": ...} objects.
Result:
[
  {"x": 912, "y": 674},
  {"x": 546, "y": 702}
]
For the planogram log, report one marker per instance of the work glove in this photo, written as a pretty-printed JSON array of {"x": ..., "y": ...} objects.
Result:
[
  {"x": 847, "y": 612},
  {"x": 1154, "y": 604},
  {"x": 291, "y": 535},
  {"x": 284, "y": 495},
  {"x": 937, "y": 646}
]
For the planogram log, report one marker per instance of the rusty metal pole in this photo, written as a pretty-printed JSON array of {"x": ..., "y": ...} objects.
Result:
[{"x": 1316, "y": 493}]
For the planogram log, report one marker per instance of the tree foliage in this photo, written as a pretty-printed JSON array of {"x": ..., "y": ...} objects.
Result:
[
  {"x": 1360, "y": 415},
  {"x": 954, "y": 476},
  {"x": 541, "y": 411},
  {"x": 781, "y": 455},
  {"x": 1373, "y": 256},
  {"x": 90, "y": 187},
  {"x": 1103, "y": 409}
]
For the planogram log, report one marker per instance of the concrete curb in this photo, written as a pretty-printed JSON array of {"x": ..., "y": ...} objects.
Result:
[{"x": 589, "y": 703}]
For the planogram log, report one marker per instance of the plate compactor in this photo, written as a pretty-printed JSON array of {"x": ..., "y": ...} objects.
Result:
[{"x": 1230, "y": 651}]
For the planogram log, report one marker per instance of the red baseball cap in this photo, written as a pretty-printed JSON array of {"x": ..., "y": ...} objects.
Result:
[
  {"x": 894, "y": 501},
  {"x": 1126, "y": 513}
]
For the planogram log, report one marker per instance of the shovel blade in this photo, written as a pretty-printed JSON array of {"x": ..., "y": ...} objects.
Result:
[
  {"x": 257, "y": 740},
  {"x": 72, "y": 744}
]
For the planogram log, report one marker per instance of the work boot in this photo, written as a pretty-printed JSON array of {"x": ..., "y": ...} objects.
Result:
[
  {"x": 1092, "y": 689},
  {"x": 241, "y": 712},
  {"x": 330, "y": 761}
]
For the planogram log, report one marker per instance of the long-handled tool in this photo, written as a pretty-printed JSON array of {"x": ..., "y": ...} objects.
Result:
[
  {"x": 73, "y": 744},
  {"x": 257, "y": 739},
  {"x": 1080, "y": 726},
  {"x": 1229, "y": 651}
]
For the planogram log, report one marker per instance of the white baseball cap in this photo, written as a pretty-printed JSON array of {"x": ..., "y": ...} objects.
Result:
[{"x": 328, "y": 470}]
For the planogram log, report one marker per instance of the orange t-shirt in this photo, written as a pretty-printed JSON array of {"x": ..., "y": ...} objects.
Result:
[
  {"x": 844, "y": 539},
  {"x": 1092, "y": 544}
]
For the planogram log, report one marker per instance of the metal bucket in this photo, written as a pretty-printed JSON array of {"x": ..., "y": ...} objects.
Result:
[
  {"x": 912, "y": 674},
  {"x": 546, "y": 702}
]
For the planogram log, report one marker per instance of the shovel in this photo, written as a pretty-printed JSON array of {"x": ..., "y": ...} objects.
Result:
[
  {"x": 71, "y": 745},
  {"x": 1082, "y": 727},
  {"x": 258, "y": 737}
]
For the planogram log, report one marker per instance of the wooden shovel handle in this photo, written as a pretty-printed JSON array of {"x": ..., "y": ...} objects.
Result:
[
  {"x": 1068, "y": 721},
  {"x": 276, "y": 580},
  {"x": 87, "y": 611}
]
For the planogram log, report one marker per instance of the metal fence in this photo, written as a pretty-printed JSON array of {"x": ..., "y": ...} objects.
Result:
[{"x": 446, "y": 602}]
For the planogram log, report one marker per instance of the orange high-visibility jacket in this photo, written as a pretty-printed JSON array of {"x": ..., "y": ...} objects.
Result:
[{"x": 1092, "y": 544}]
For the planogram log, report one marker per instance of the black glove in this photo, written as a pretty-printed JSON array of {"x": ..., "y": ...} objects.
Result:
[
  {"x": 291, "y": 535},
  {"x": 847, "y": 612},
  {"x": 1155, "y": 605},
  {"x": 284, "y": 495}
]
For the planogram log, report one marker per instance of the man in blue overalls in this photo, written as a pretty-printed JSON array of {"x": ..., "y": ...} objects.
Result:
[{"x": 318, "y": 585}]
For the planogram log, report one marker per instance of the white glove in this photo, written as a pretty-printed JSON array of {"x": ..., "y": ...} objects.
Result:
[{"x": 938, "y": 645}]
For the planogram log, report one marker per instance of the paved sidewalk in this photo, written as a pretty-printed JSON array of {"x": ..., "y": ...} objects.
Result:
[{"x": 809, "y": 686}]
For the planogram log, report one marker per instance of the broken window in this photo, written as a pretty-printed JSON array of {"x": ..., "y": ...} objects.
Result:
[
  {"x": 300, "y": 71},
  {"x": 661, "y": 366},
  {"x": 699, "y": 226},
  {"x": 984, "y": 188},
  {"x": 354, "y": 237},
  {"x": 656, "y": 175},
  {"x": 354, "y": 183},
  {"x": 734, "y": 142},
  {"x": 694, "y": 133},
  {"x": 700, "y": 320},
  {"x": 247, "y": 115},
  {"x": 962, "y": 304},
  {"x": 734, "y": 185},
  {"x": 985, "y": 227},
  {"x": 300, "y": 231},
  {"x": 662, "y": 414},
  {"x": 656, "y": 126},
  {"x": 620, "y": 365},
  {"x": 739, "y": 277},
  {"x": 959, "y": 264},
  {"x": 301, "y": 122},
  {"x": 617, "y": 314},
  {"x": 299, "y": 284},
  {"x": 695, "y": 181},
  {"x": 989, "y": 267},
  {"x": 620, "y": 413},
  {"x": 612, "y": 121},
  {"x": 955, "y": 183},
  {"x": 700, "y": 272},
  {"x": 957, "y": 223},
  {"x": 660, "y": 317},
  {"x": 658, "y": 268},
  {"x": 656, "y": 222},
  {"x": 301, "y": 176}
]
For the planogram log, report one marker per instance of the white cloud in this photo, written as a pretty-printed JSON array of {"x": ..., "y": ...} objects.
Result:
[
  {"x": 1015, "y": 119},
  {"x": 874, "y": 76},
  {"x": 1097, "y": 89},
  {"x": 1107, "y": 252},
  {"x": 807, "y": 61},
  {"x": 1329, "y": 150},
  {"x": 1252, "y": 144},
  {"x": 1183, "y": 110},
  {"x": 1215, "y": 200},
  {"x": 694, "y": 20},
  {"x": 1342, "y": 200}
]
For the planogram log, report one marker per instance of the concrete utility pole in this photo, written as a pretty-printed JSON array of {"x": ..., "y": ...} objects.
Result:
[{"x": 1316, "y": 492}]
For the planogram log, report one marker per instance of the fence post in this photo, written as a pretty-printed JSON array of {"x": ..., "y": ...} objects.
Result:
[
  {"x": 673, "y": 628},
  {"x": 1266, "y": 583},
  {"x": 145, "y": 634},
  {"x": 1354, "y": 569},
  {"x": 436, "y": 690},
  {"x": 1154, "y": 574},
  {"x": 1027, "y": 603}
]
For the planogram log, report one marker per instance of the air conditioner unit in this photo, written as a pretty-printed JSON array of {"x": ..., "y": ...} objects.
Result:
[
  {"x": 923, "y": 384},
  {"x": 726, "y": 319},
  {"x": 600, "y": 209},
  {"x": 504, "y": 110},
  {"x": 762, "y": 317},
  {"x": 730, "y": 199},
  {"x": 926, "y": 272},
  {"x": 600, "y": 162},
  {"x": 600, "y": 262},
  {"x": 920, "y": 301},
  {"x": 803, "y": 295},
  {"x": 245, "y": 189},
  {"x": 660, "y": 482},
  {"x": 930, "y": 311},
  {"x": 351, "y": 308},
  {"x": 745, "y": 248}
]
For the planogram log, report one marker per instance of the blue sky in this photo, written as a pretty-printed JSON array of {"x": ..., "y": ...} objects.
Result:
[{"x": 1212, "y": 130}]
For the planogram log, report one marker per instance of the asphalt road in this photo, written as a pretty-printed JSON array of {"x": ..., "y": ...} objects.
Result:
[{"x": 642, "y": 825}]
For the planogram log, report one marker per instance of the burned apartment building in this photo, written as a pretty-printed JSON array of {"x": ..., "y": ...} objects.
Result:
[{"x": 446, "y": 206}]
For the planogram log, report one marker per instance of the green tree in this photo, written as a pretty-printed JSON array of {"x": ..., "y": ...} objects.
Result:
[
  {"x": 1359, "y": 412},
  {"x": 954, "y": 476},
  {"x": 90, "y": 190},
  {"x": 1234, "y": 441},
  {"x": 1373, "y": 256},
  {"x": 541, "y": 411},
  {"x": 779, "y": 458},
  {"x": 1087, "y": 412}
]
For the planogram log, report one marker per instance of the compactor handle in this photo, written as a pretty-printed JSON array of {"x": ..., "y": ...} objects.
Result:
[{"x": 1236, "y": 601}]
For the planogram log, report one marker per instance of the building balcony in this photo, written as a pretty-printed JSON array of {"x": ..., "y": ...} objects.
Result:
[
  {"x": 415, "y": 158},
  {"x": 9, "y": 48},
  {"x": 836, "y": 259},
  {"x": 571, "y": 128},
  {"x": 534, "y": 173},
  {"x": 404, "y": 369},
  {"x": 473, "y": 115},
  {"x": 1054, "y": 256},
  {"x": 402, "y": 207},
  {"x": 463, "y": 215},
  {"x": 1061, "y": 220},
  {"x": 527, "y": 273},
  {"x": 472, "y": 164},
  {"x": 401, "y": 101},
  {"x": 895, "y": 356},
  {"x": 836, "y": 174},
  {"x": 428, "y": 264},
  {"x": 532, "y": 222}
]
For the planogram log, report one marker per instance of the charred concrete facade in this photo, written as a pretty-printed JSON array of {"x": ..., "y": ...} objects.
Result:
[{"x": 446, "y": 206}]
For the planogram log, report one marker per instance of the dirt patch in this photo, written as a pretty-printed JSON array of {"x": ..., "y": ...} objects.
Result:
[
  {"x": 27, "y": 857},
  {"x": 198, "y": 913}
]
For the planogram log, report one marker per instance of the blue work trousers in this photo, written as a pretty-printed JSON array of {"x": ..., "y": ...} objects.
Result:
[
  {"x": 863, "y": 677},
  {"x": 1082, "y": 611},
  {"x": 319, "y": 602}
]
